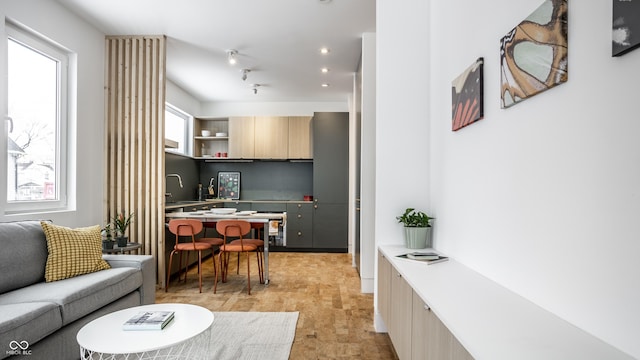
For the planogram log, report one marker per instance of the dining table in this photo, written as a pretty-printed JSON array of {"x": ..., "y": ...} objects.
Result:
[{"x": 250, "y": 216}]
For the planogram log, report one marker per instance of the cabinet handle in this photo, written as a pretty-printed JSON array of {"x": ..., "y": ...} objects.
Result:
[
  {"x": 398, "y": 275},
  {"x": 299, "y": 233},
  {"x": 299, "y": 216},
  {"x": 426, "y": 307},
  {"x": 299, "y": 206},
  {"x": 315, "y": 206}
]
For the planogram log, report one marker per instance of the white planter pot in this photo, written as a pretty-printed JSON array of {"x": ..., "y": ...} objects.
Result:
[{"x": 417, "y": 237}]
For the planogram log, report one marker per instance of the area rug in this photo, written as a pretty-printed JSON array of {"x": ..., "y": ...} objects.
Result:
[{"x": 252, "y": 335}]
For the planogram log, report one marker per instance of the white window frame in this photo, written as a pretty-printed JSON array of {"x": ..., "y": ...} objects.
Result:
[
  {"x": 188, "y": 121},
  {"x": 66, "y": 62}
]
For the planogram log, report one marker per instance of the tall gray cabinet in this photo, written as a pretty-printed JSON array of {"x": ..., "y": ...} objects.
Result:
[{"x": 330, "y": 180}]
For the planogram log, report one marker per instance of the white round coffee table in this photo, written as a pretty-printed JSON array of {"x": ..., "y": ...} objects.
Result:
[{"x": 187, "y": 336}]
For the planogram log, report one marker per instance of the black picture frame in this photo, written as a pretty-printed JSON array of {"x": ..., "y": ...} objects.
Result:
[
  {"x": 229, "y": 185},
  {"x": 625, "y": 27}
]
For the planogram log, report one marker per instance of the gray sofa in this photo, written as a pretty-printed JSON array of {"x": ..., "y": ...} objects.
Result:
[{"x": 44, "y": 318}]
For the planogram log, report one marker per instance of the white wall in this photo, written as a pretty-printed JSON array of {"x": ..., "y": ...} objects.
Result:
[
  {"x": 367, "y": 164},
  {"x": 181, "y": 99},
  {"x": 50, "y": 19},
  {"x": 541, "y": 197}
]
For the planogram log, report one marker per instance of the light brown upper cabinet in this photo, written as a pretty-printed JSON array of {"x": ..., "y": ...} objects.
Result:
[
  {"x": 300, "y": 143},
  {"x": 241, "y": 137},
  {"x": 271, "y": 137}
]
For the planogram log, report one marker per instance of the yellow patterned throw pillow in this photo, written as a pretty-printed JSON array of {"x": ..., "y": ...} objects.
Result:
[{"x": 72, "y": 252}]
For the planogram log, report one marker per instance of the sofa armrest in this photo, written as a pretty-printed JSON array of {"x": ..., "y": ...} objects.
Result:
[{"x": 144, "y": 263}]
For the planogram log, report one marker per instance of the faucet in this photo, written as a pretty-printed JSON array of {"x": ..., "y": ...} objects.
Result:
[{"x": 179, "y": 182}]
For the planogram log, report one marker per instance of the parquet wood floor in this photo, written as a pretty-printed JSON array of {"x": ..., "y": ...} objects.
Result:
[{"x": 335, "y": 322}]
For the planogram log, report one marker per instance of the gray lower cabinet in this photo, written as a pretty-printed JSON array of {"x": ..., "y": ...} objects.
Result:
[
  {"x": 238, "y": 205},
  {"x": 330, "y": 180},
  {"x": 330, "y": 227},
  {"x": 299, "y": 225},
  {"x": 269, "y": 206}
]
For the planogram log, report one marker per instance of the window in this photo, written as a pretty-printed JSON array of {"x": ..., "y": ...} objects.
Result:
[
  {"x": 176, "y": 129},
  {"x": 37, "y": 85}
]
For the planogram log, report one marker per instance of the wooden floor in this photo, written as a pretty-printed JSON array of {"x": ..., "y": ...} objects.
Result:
[{"x": 335, "y": 322}]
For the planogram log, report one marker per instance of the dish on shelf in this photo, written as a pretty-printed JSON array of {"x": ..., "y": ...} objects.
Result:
[
  {"x": 246, "y": 213},
  {"x": 206, "y": 133},
  {"x": 223, "y": 211},
  {"x": 221, "y": 134}
]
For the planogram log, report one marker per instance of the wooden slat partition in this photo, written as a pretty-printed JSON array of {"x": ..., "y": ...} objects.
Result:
[{"x": 134, "y": 138}]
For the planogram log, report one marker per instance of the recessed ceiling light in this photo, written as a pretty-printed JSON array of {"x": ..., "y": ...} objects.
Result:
[
  {"x": 325, "y": 85},
  {"x": 324, "y": 50},
  {"x": 325, "y": 70},
  {"x": 324, "y": 1}
]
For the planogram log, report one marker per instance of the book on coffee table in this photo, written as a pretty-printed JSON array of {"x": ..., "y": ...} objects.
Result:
[{"x": 148, "y": 320}]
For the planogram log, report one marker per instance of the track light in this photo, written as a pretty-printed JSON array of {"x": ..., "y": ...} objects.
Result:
[
  {"x": 244, "y": 73},
  {"x": 231, "y": 56},
  {"x": 255, "y": 88}
]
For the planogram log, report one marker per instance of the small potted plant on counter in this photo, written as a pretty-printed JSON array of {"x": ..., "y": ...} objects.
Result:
[
  {"x": 107, "y": 237},
  {"x": 417, "y": 228},
  {"x": 121, "y": 223}
]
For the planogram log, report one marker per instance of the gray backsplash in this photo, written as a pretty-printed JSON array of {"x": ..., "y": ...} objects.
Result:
[{"x": 259, "y": 180}]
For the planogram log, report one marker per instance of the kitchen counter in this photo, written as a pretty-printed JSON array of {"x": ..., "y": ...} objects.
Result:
[
  {"x": 197, "y": 205},
  {"x": 207, "y": 216}
]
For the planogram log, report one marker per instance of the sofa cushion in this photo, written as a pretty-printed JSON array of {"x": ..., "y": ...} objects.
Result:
[
  {"x": 72, "y": 252},
  {"x": 28, "y": 322},
  {"x": 80, "y": 295},
  {"x": 23, "y": 256}
]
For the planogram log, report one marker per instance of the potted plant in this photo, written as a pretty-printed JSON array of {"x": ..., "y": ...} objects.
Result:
[
  {"x": 417, "y": 228},
  {"x": 121, "y": 223},
  {"x": 107, "y": 240}
]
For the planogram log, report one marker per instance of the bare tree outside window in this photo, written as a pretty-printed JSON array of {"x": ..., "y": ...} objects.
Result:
[{"x": 33, "y": 95}]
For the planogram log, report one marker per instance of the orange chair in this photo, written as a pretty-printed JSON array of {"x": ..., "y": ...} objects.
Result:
[
  {"x": 235, "y": 229},
  {"x": 208, "y": 225},
  {"x": 259, "y": 243},
  {"x": 213, "y": 241},
  {"x": 188, "y": 227}
]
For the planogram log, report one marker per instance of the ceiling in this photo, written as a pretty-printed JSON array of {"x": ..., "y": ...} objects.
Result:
[{"x": 278, "y": 40}]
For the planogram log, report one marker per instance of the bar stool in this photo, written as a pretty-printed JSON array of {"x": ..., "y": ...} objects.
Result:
[{"x": 188, "y": 227}]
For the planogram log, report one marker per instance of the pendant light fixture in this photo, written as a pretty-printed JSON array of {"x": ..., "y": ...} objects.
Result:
[
  {"x": 244, "y": 73},
  {"x": 231, "y": 56}
]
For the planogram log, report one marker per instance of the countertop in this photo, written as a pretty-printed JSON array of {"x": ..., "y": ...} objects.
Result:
[
  {"x": 491, "y": 321},
  {"x": 196, "y": 203}
]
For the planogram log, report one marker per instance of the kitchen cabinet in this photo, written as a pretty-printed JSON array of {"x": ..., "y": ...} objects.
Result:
[
  {"x": 300, "y": 141},
  {"x": 267, "y": 206},
  {"x": 241, "y": 137},
  {"x": 330, "y": 180},
  {"x": 299, "y": 225},
  {"x": 415, "y": 331},
  {"x": 384, "y": 288},
  {"x": 401, "y": 308},
  {"x": 259, "y": 137},
  {"x": 420, "y": 336},
  {"x": 271, "y": 137},
  {"x": 208, "y": 146}
]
